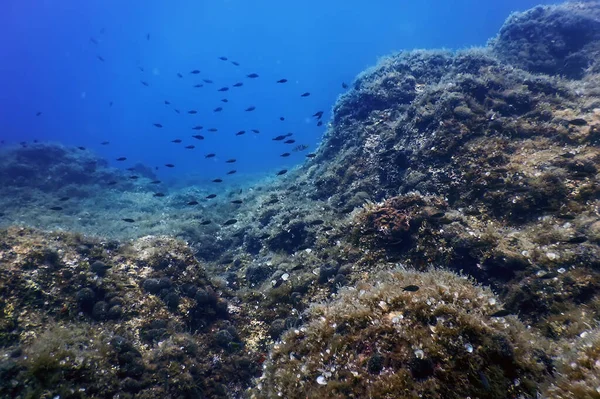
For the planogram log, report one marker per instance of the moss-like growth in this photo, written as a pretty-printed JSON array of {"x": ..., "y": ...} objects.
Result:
[
  {"x": 65, "y": 356},
  {"x": 578, "y": 369},
  {"x": 390, "y": 339}
]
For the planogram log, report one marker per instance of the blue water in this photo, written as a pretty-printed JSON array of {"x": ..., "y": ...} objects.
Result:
[{"x": 50, "y": 64}]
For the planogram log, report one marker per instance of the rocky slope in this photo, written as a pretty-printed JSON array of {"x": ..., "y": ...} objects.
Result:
[{"x": 343, "y": 279}]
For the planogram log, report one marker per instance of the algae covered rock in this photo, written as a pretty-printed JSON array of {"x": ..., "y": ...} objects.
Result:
[
  {"x": 134, "y": 330},
  {"x": 408, "y": 334},
  {"x": 578, "y": 367},
  {"x": 556, "y": 40}
]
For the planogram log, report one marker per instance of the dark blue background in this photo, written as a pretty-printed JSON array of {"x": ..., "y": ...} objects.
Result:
[{"x": 50, "y": 65}]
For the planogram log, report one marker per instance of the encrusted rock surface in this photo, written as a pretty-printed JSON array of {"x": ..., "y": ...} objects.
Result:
[{"x": 483, "y": 162}]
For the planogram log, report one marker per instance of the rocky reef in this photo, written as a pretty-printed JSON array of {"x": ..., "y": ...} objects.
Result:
[
  {"x": 406, "y": 335},
  {"x": 84, "y": 318},
  {"x": 444, "y": 242}
]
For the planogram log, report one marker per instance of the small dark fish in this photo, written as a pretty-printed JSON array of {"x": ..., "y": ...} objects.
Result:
[
  {"x": 158, "y": 125},
  {"x": 230, "y": 222},
  {"x": 252, "y": 76},
  {"x": 224, "y": 100},
  {"x": 63, "y": 199},
  {"x": 167, "y": 102},
  {"x": 282, "y": 172},
  {"x": 232, "y": 160},
  {"x": 176, "y": 141},
  {"x": 223, "y": 58},
  {"x": 121, "y": 159},
  {"x": 501, "y": 313},
  {"x": 93, "y": 40},
  {"x": 155, "y": 182},
  {"x": 484, "y": 381},
  {"x": 211, "y": 155},
  {"x": 176, "y": 110},
  {"x": 128, "y": 220},
  {"x": 311, "y": 155},
  {"x": 255, "y": 131},
  {"x": 318, "y": 114},
  {"x": 38, "y": 113},
  {"x": 411, "y": 288},
  {"x": 213, "y": 129},
  {"x": 110, "y": 104},
  {"x": 198, "y": 127},
  {"x": 169, "y": 165},
  {"x": 205, "y": 222},
  {"x": 231, "y": 172},
  {"x": 141, "y": 69},
  {"x": 218, "y": 109},
  {"x": 281, "y": 118},
  {"x": 217, "y": 181},
  {"x": 190, "y": 147},
  {"x": 282, "y": 81},
  {"x": 111, "y": 183},
  {"x": 290, "y": 141},
  {"x": 207, "y": 81},
  {"x": 223, "y": 89},
  {"x": 211, "y": 196},
  {"x": 250, "y": 108},
  {"x": 148, "y": 36},
  {"x": 235, "y": 63},
  {"x": 578, "y": 122},
  {"x": 238, "y": 84},
  {"x": 320, "y": 123},
  {"x": 198, "y": 86},
  {"x": 192, "y": 203},
  {"x": 264, "y": 236},
  {"x": 56, "y": 208},
  {"x": 237, "y": 202},
  {"x": 192, "y": 112},
  {"x": 144, "y": 83},
  {"x": 195, "y": 72},
  {"x": 159, "y": 195},
  {"x": 198, "y": 137},
  {"x": 344, "y": 85},
  {"x": 317, "y": 222},
  {"x": 272, "y": 201},
  {"x": 285, "y": 154},
  {"x": 279, "y": 138},
  {"x": 306, "y": 94},
  {"x": 81, "y": 148},
  {"x": 289, "y": 134},
  {"x": 179, "y": 75},
  {"x": 100, "y": 58},
  {"x": 134, "y": 177},
  {"x": 300, "y": 147},
  {"x": 240, "y": 132}
]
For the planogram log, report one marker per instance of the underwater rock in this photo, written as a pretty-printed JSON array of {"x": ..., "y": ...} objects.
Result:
[
  {"x": 378, "y": 340},
  {"x": 296, "y": 236},
  {"x": 257, "y": 273},
  {"x": 116, "y": 337},
  {"x": 555, "y": 40},
  {"x": 578, "y": 374},
  {"x": 99, "y": 268}
]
